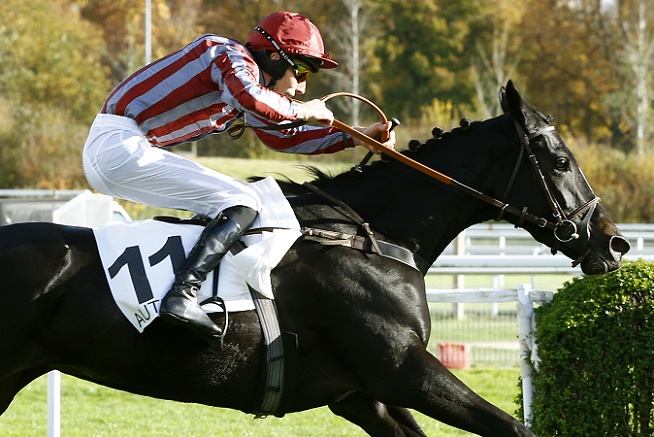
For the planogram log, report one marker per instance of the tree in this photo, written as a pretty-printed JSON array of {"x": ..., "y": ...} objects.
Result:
[
  {"x": 122, "y": 27},
  {"x": 566, "y": 66},
  {"x": 53, "y": 83},
  {"x": 496, "y": 41},
  {"x": 348, "y": 36},
  {"x": 637, "y": 26},
  {"x": 422, "y": 54},
  {"x": 591, "y": 62},
  {"x": 50, "y": 57}
]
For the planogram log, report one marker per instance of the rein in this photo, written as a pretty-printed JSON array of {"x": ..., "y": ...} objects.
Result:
[{"x": 523, "y": 215}]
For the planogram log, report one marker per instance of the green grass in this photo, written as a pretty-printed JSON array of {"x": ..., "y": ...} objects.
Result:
[{"x": 90, "y": 410}]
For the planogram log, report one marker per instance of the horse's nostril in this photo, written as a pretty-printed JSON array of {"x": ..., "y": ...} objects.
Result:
[{"x": 620, "y": 244}]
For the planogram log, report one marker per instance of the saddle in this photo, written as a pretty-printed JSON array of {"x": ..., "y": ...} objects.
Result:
[{"x": 140, "y": 258}]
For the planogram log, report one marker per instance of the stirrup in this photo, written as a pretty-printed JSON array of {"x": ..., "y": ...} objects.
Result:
[
  {"x": 221, "y": 303},
  {"x": 178, "y": 315}
]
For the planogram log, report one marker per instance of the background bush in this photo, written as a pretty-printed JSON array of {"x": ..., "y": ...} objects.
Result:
[
  {"x": 40, "y": 147},
  {"x": 596, "y": 344},
  {"x": 624, "y": 182}
]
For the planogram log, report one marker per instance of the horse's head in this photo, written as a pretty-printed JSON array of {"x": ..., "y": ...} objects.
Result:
[{"x": 572, "y": 219}]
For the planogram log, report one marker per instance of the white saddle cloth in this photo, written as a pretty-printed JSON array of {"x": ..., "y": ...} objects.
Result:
[{"x": 136, "y": 257}]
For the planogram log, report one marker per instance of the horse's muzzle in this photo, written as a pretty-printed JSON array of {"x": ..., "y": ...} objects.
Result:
[{"x": 594, "y": 263}]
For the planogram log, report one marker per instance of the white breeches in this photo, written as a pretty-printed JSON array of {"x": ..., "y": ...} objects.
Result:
[{"x": 119, "y": 161}]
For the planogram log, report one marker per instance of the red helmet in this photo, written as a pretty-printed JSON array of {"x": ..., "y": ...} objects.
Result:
[{"x": 295, "y": 34}]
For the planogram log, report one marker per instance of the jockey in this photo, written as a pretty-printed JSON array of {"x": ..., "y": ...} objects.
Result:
[{"x": 199, "y": 90}]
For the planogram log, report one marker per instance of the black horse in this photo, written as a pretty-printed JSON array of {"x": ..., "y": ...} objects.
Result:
[{"x": 361, "y": 319}]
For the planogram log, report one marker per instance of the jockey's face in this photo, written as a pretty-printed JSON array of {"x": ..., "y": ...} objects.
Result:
[{"x": 289, "y": 84}]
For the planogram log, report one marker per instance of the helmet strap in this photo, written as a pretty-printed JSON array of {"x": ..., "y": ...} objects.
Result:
[{"x": 277, "y": 47}]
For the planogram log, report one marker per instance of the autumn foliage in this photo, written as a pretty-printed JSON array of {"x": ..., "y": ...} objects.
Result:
[{"x": 427, "y": 62}]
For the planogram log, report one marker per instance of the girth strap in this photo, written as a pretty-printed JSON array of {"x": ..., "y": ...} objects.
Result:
[
  {"x": 368, "y": 243},
  {"x": 350, "y": 212},
  {"x": 279, "y": 356},
  {"x": 389, "y": 250},
  {"x": 272, "y": 389}
]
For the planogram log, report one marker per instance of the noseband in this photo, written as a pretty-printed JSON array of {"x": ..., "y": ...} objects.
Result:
[{"x": 564, "y": 228}]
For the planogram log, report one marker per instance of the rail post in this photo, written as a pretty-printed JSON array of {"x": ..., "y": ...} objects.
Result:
[{"x": 525, "y": 311}]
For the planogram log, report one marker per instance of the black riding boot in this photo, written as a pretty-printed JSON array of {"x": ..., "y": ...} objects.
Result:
[{"x": 180, "y": 305}]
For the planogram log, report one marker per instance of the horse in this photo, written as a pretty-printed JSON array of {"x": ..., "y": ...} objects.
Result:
[{"x": 360, "y": 318}]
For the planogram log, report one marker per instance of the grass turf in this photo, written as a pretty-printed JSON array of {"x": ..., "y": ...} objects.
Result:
[{"x": 90, "y": 410}]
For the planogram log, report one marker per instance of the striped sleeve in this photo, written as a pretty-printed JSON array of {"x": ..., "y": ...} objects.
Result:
[
  {"x": 237, "y": 75},
  {"x": 306, "y": 140}
]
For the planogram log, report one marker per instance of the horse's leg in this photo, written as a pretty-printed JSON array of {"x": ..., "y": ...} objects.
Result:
[
  {"x": 422, "y": 383},
  {"x": 376, "y": 418},
  {"x": 406, "y": 419},
  {"x": 388, "y": 355}
]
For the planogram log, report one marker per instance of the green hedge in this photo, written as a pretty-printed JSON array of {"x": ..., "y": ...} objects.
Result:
[{"x": 596, "y": 345}]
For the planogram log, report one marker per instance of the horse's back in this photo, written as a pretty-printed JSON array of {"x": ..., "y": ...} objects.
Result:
[
  {"x": 37, "y": 263},
  {"x": 38, "y": 256},
  {"x": 23, "y": 238}
]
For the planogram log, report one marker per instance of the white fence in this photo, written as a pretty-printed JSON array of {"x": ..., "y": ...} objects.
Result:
[
  {"x": 479, "y": 286},
  {"x": 492, "y": 260},
  {"x": 74, "y": 207},
  {"x": 525, "y": 298},
  {"x": 500, "y": 238}
]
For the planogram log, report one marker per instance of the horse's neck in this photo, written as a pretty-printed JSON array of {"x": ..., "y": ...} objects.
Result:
[
  {"x": 428, "y": 225},
  {"x": 414, "y": 211}
]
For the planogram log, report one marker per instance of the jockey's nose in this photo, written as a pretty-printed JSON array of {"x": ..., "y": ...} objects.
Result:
[{"x": 301, "y": 87}]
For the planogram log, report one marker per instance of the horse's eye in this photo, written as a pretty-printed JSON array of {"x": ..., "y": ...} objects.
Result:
[{"x": 561, "y": 163}]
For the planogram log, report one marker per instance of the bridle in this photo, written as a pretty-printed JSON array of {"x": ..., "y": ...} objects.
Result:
[{"x": 564, "y": 228}]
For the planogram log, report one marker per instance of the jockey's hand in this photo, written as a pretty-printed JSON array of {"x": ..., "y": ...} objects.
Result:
[
  {"x": 315, "y": 110},
  {"x": 375, "y": 131}
]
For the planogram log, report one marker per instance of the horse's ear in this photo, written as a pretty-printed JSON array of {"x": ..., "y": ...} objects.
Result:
[
  {"x": 503, "y": 104},
  {"x": 513, "y": 102},
  {"x": 520, "y": 110}
]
